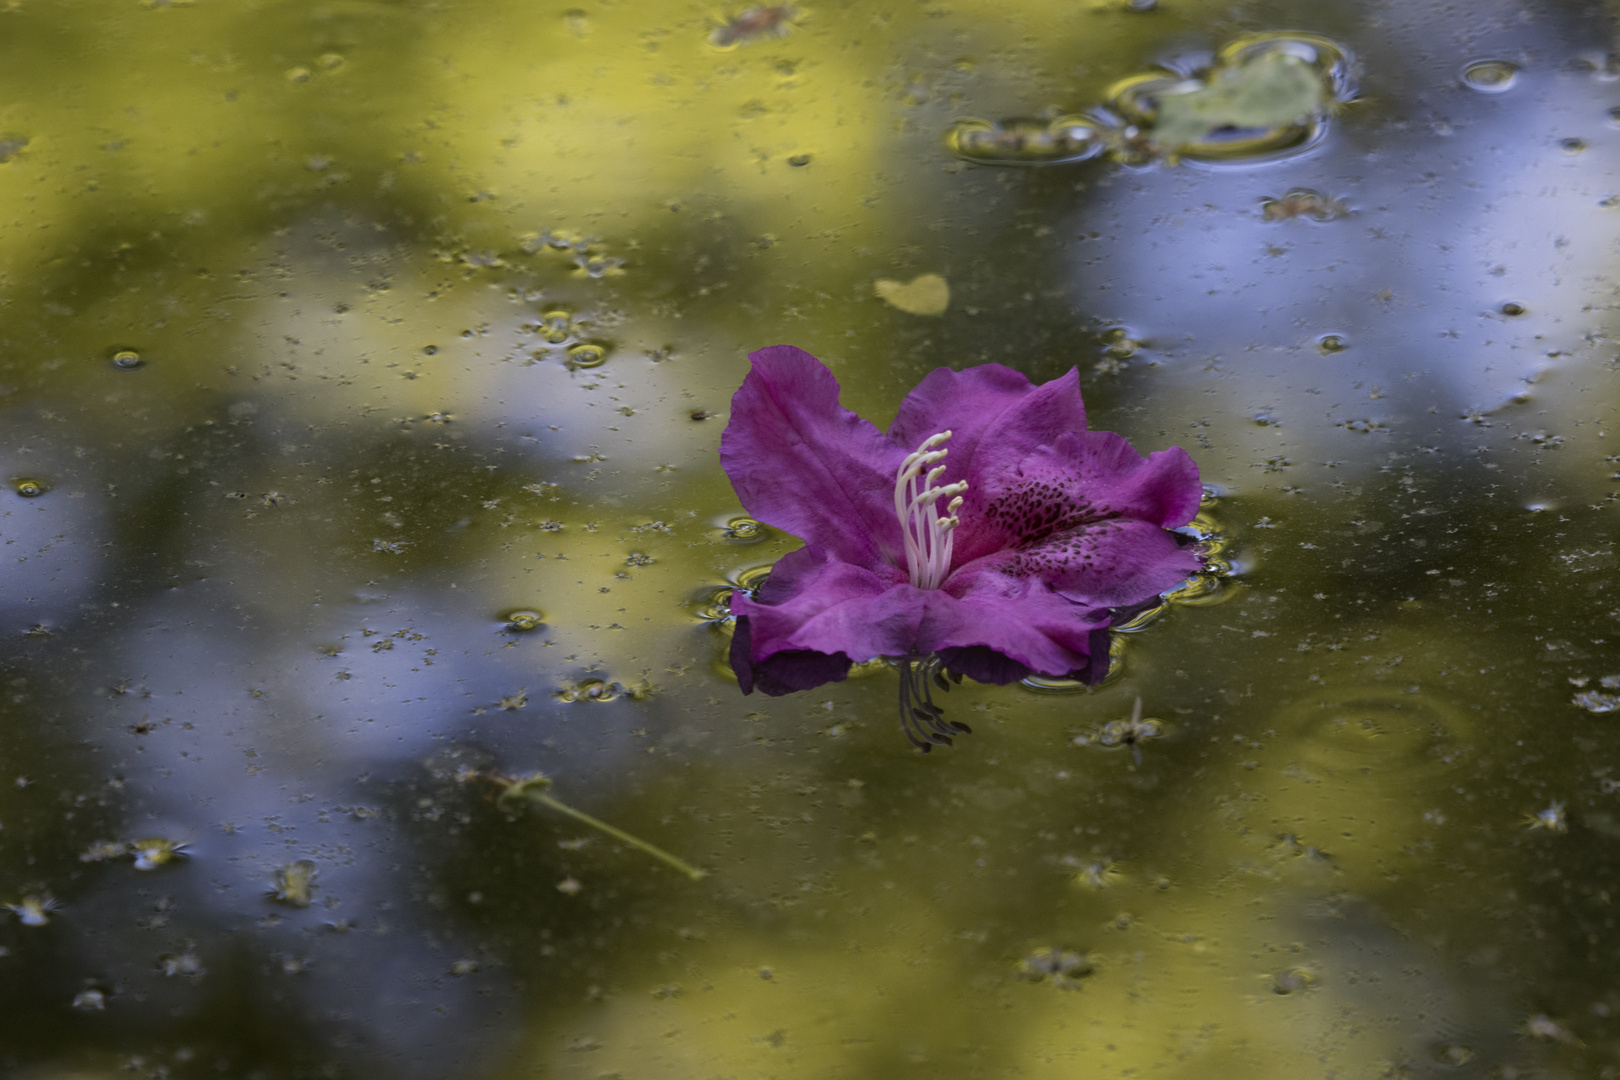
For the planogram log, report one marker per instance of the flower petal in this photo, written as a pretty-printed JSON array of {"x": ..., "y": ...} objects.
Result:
[
  {"x": 820, "y": 605},
  {"x": 814, "y": 602},
  {"x": 1079, "y": 480},
  {"x": 802, "y": 462},
  {"x": 785, "y": 672},
  {"x": 997, "y": 417},
  {"x": 1032, "y": 626},
  {"x": 1104, "y": 564},
  {"x": 970, "y": 403}
]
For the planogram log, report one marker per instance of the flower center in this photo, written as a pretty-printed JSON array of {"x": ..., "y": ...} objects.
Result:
[{"x": 928, "y": 533}]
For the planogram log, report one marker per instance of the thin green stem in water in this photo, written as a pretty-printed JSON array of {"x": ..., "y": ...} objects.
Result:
[{"x": 536, "y": 793}]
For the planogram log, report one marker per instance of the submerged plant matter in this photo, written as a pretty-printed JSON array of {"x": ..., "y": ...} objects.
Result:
[
  {"x": 536, "y": 788},
  {"x": 987, "y": 534}
]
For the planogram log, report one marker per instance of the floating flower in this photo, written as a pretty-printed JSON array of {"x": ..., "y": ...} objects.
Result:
[{"x": 988, "y": 534}]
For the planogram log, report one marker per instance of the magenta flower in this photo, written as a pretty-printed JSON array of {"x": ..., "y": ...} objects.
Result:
[{"x": 988, "y": 534}]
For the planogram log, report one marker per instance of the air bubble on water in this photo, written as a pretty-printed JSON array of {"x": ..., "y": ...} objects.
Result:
[
  {"x": 523, "y": 620},
  {"x": 589, "y": 690},
  {"x": 331, "y": 61},
  {"x": 751, "y": 579},
  {"x": 599, "y": 266},
  {"x": 712, "y": 605},
  {"x": 28, "y": 488},
  {"x": 603, "y": 690},
  {"x": 1026, "y": 141},
  {"x": 1328, "y": 344},
  {"x": 556, "y": 327},
  {"x": 1293, "y": 981},
  {"x": 298, "y": 74},
  {"x": 744, "y": 530},
  {"x": 1490, "y": 76},
  {"x": 1064, "y": 967},
  {"x": 587, "y": 355},
  {"x": 127, "y": 359}
]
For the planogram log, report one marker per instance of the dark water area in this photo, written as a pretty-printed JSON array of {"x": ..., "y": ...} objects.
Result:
[{"x": 362, "y": 372}]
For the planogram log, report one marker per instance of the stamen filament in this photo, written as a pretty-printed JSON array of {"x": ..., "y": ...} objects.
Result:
[
  {"x": 924, "y": 722},
  {"x": 927, "y": 535}
]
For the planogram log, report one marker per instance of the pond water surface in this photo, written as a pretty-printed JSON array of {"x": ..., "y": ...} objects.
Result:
[{"x": 362, "y": 369}]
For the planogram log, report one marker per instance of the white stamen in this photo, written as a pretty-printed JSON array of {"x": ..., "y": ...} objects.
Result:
[{"x": 927, "y": 534}]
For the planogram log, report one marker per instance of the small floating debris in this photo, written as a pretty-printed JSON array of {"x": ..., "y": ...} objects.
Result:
[
  {"x": 1303, "y": 203},
  {"x": 1063, "y": 966},
  {"x": 1062, "y": 141},
  {"x": 926, "y": 294},
  {"x": 155, "y": 851},
  {"x": 1265, "y": 96},
  {"x": 1293, "y": 981},
  {"x": 91, "y": 999},
  {"x": 760, "y": 22},
  {"x": 1132, "y": 733},
  {"x": 1595, "y": 701},
  {"x": 1545, "y": 1028},
  {"x": 1551, "y": 819},
  {"x": 34, "y": 910},
  {"x": 294, "y": 883}
]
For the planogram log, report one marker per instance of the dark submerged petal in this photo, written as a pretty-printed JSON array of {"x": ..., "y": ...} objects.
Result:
[
  {"x": 1097, "y": 669},
  {"x": 785, "y": 672},
  {"x": 983, "y": 664}
]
